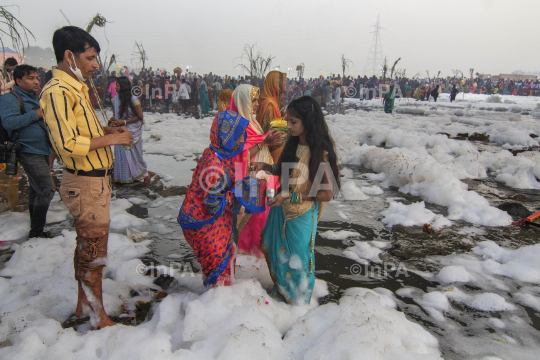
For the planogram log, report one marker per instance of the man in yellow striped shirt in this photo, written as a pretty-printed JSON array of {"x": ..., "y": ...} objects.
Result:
[{"x": 82, "y": 144}]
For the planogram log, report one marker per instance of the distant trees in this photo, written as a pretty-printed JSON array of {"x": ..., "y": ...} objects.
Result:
[
  {"x": 140, "y": 54},
  {"x": 254, "y": 62},
  {"x": 345, "y": 64}
]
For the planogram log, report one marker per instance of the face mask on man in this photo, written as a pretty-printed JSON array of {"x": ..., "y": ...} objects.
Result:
[{"x": 76, "y": 71}]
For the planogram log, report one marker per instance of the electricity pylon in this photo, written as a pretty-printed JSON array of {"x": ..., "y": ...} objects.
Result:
[{"x": 374, "y": 62}]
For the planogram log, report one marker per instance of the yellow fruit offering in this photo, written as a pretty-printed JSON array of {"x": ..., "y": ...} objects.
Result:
[{"x": 280, "y": 125}]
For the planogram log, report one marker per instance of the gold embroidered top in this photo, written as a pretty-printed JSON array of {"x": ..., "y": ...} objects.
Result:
[{"x": 303, "y": 185}]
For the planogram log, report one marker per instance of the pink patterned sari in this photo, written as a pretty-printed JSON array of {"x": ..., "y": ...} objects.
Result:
[{"x": 250, "y": 225}]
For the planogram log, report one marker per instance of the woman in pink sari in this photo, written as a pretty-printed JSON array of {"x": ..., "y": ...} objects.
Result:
[{"x": 245, "y": 101}]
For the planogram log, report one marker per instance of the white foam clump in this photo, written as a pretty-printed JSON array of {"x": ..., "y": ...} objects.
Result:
[
  {"x": 494, "y": 99},
  {"x": 372, "y": 190},
  {"x": 528, "y": 300},
  {"x": 435, "y": 303},
  {"x": 120, "y": 219},
  {"x": 421, "y": 175},
  {"x": 376, "y": 177},
  {"x": 483, "y": 302},
  {"x": 137, "y": 201},
  {"x": 350, "y": 191},
  {"x": 338, "y": 235},
  {"x": 14, "y": 225},
  {"x": 413, "y": 214},
  {"x": 341, "y": 333},
  {"x": 454, "y": 273},
  {"x": 346, "y": 173},
  {"x": 522, "y": 264},
  {"x": 536, "y": 112},
  {"x": 363, "y": 252}
]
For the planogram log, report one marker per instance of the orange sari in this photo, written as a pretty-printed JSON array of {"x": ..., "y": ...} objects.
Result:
[
  {"x": 224, "y": 98},
  {"x": 271, "y": 100}
]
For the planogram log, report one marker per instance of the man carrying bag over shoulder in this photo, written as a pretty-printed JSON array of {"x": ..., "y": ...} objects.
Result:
[{"x": 22, "y": 118}]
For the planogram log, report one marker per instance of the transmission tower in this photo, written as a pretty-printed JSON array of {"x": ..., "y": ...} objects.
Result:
[{"x": 374, "y": 62}]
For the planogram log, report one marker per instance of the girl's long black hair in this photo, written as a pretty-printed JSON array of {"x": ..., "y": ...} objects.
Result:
[
  {"x": 318, "y": 138},
  {"x": 125, "y": 97}
]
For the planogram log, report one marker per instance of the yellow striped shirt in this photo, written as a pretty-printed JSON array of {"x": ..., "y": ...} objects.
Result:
[{"x": 72, "y": 122}]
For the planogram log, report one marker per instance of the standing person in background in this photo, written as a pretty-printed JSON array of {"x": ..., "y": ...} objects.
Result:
[
  {"x": 217, "y": 90},
  {"x": 453, "y": 93},
  {"x": 337, "y": 98},
  {"x": 144, "y": 93},
  {"x": 418, "y": 92},
  {"x": 389, "y": 98},
  {"x": 205, "y": 103},
  {"x": 167, "y": 93},
  {"x": 327, "y": 96},
  {"x": 307, "y": 92},
  {"x": 183, "y": 95},
  {"x": 26, "y": 120},
  {"x": 129, "y": 164},
  {"x": 435, "y": 93},
  {"x": 84, "y": 148},
  {"x": 195, "y": 97},
  {"x": 112, "y": 88},
  {"x": 7, "y": 82}
]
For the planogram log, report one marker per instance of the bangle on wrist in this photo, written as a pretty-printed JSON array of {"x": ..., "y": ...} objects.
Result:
[
  {"x": 273, "y": 169},
  {"x": 293, "y": 198},
  {"x": 124, "y": 122},
  {"x": 259, "y": 146}
]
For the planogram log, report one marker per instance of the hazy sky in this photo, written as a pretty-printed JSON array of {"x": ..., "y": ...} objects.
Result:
[{"x": 491, "y": 36}]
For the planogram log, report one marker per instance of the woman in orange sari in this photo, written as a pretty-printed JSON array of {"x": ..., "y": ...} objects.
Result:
[
  {"x": 224, "y": 98},
  {"x": 271, "y": 102}
]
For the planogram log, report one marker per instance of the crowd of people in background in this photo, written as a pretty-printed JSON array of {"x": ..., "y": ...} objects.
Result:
[{"x": 195, "y": 95}]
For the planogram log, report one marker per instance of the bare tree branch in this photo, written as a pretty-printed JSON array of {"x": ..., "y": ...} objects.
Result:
[
  {"x": 345, "y": 64},
  {"x": 16, "y": 31},
  {"x": 140, "y": 54},
  {"x": 393, "y": 67},
  {"x": 257, "y": 64}
]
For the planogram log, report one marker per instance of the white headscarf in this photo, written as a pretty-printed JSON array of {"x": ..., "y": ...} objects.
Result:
[{"x": 243, "y": 96}]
